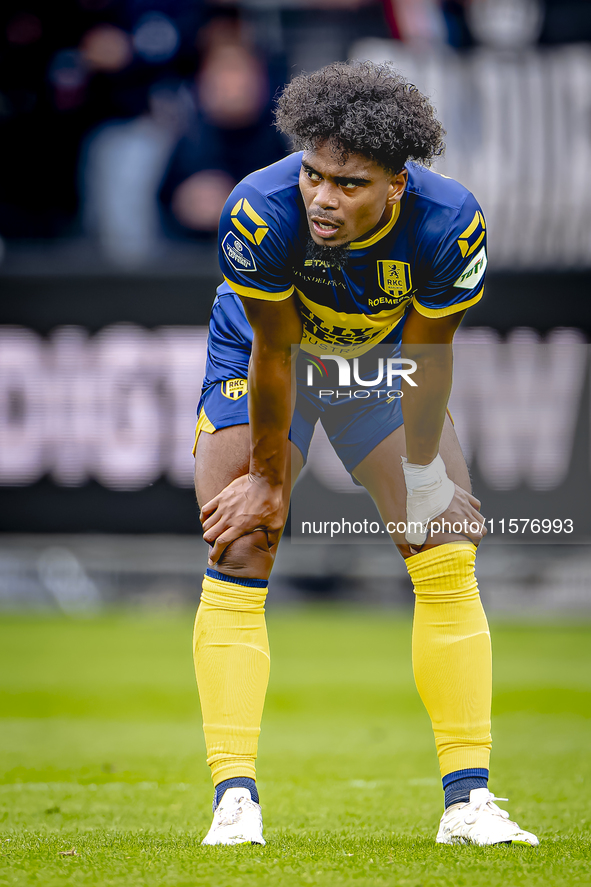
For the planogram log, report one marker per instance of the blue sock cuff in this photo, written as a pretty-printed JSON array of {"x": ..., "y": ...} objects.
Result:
[
  {"x": 236, "y": 580},
  {"x": 464, "y": 774},
  {"x": 459, "y": 784},
  {"x": 235, "y": 782}
]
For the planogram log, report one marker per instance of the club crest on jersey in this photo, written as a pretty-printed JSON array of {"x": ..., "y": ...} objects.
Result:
[
  {"x": 394, "y": 278},
  {"x": 470, "y": 239},
  {"x": 234, "y": 389},
  {"x": 248, "y": 221},
  {"x": 238, "y": 253}
]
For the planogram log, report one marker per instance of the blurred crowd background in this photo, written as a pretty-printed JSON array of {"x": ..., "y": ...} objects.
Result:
[
  {"x": 128, "y": 122},
  {"x": 124, "y": 125}
]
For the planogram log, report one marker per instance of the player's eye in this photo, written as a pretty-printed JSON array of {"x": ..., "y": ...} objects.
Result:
[
  {"x": 313, "y": 176},
  {"x": 349, "y": 185}
]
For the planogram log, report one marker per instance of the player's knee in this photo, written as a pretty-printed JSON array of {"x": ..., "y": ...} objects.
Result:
[
  {"x": 247, "y": 557},
  {"x": 444, "y": 572}
]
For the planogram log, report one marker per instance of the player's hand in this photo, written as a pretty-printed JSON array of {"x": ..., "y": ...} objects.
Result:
[
  {"x": 463, "y": 510},
  {"x": 247, "y": 504},
  {"x": 436, "y": 505}
]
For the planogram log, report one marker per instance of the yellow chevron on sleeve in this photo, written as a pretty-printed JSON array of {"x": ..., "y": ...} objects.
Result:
[
  {"x": 261, "y": 228},
  {"x": 466, "y": 247},
  {"x": 243, "y": 230},
  {"x": 252, "y": 213}
]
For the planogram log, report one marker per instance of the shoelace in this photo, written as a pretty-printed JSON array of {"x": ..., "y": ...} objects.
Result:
[{"x": 478, "y": 808}]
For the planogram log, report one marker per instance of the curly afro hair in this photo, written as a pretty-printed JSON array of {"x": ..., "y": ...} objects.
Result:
[{"x": 361, "y": 108}]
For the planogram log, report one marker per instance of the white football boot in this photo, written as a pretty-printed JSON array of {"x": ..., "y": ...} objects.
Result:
[
  {"x": 481, "y": 822},
  {"x": 236, "y": 820}
]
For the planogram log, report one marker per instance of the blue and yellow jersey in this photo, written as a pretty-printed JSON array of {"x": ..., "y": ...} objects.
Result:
[{"x": 431, "y": 254}]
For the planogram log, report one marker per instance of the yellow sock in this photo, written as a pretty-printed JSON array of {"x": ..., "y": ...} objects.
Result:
[
  {"x": 452, "y": 654},
  {"x": 231, "y": 654}
]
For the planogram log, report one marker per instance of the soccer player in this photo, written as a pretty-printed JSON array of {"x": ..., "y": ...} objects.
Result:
[{"x": 349, "y": 243}]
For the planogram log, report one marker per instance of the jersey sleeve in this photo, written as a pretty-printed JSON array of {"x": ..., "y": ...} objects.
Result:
[
  {"x": 455, "y": 280},
  {"x": 252, "y": 248}
]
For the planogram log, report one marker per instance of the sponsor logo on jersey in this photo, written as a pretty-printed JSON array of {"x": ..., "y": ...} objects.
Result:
[
  {"x": 470, "y": 239},
  {"x": 394, "y": 279},
  {"x": 474, "y": 272},
  {"x": 388, "y": 301},
  {"x": 238, "y": 253},
  {"x": 320, "y": 332},
  {"x": 248, "y": 221},
  {"x": 234, "y": 389}
]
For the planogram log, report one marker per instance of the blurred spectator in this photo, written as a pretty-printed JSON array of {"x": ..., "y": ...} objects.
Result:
[
  {"x": 106, "y": 48},
  {"x": 424, "y": 23},
  {"x": 198, "y": 201},
  {"x": 23, "y": 29},
  {"x": 122, "y": 167},
  {"x": 506, "y": 24},
  {"x": 63, "y": 74},
  {"x": 420, "y": 22},
  {"x": 93, "y": 65},
  {"x": 230, "y": 134}
]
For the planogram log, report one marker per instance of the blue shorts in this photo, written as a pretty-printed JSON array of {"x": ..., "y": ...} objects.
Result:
[{"x": 354, "y": 425}]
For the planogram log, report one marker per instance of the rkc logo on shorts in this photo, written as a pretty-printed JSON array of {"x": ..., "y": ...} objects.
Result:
[
  {"x": 234, "y": 388},
  {"x": 394, "y": 278}
]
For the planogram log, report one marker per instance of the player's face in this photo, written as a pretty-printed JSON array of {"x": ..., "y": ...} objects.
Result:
[{"x": 345, "y": 201}]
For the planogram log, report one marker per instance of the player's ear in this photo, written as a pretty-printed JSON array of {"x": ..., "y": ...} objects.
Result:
[{"x": 396, "y": 187}]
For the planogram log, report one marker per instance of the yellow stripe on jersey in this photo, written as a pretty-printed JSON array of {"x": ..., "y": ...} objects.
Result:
[
  {"x": 334, "y": 332},
  {"x": 450, "y": 309},
  {"x": 363, "y": 244},
  {"x": 259, "y": 294}
]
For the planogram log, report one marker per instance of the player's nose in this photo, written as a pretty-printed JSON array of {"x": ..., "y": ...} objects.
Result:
[{"x": 327, "y": 196}]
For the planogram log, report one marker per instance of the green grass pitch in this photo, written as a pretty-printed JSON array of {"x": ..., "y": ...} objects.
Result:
[{"x": 101, "y": 754}]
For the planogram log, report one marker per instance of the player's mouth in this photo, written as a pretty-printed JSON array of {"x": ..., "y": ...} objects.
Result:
[{"x": 323, "y": 227}]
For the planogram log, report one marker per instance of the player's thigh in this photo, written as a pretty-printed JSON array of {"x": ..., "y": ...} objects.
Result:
[
  {"x": 220, "y": 458},
  {"x": 224, "y": 455},
  {"x": 382, "y": 476}
]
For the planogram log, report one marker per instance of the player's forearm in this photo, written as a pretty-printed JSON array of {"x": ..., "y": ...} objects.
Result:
[
  {"x": 270, "y": 410},
  {"x": 424, "y": 406}
]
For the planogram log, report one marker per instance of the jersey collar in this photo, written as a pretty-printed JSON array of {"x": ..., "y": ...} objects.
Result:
[{"x": 363, "y": 244}]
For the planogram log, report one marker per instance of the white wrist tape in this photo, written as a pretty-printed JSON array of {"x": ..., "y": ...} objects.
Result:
[{"x": 429, "y": 492}]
